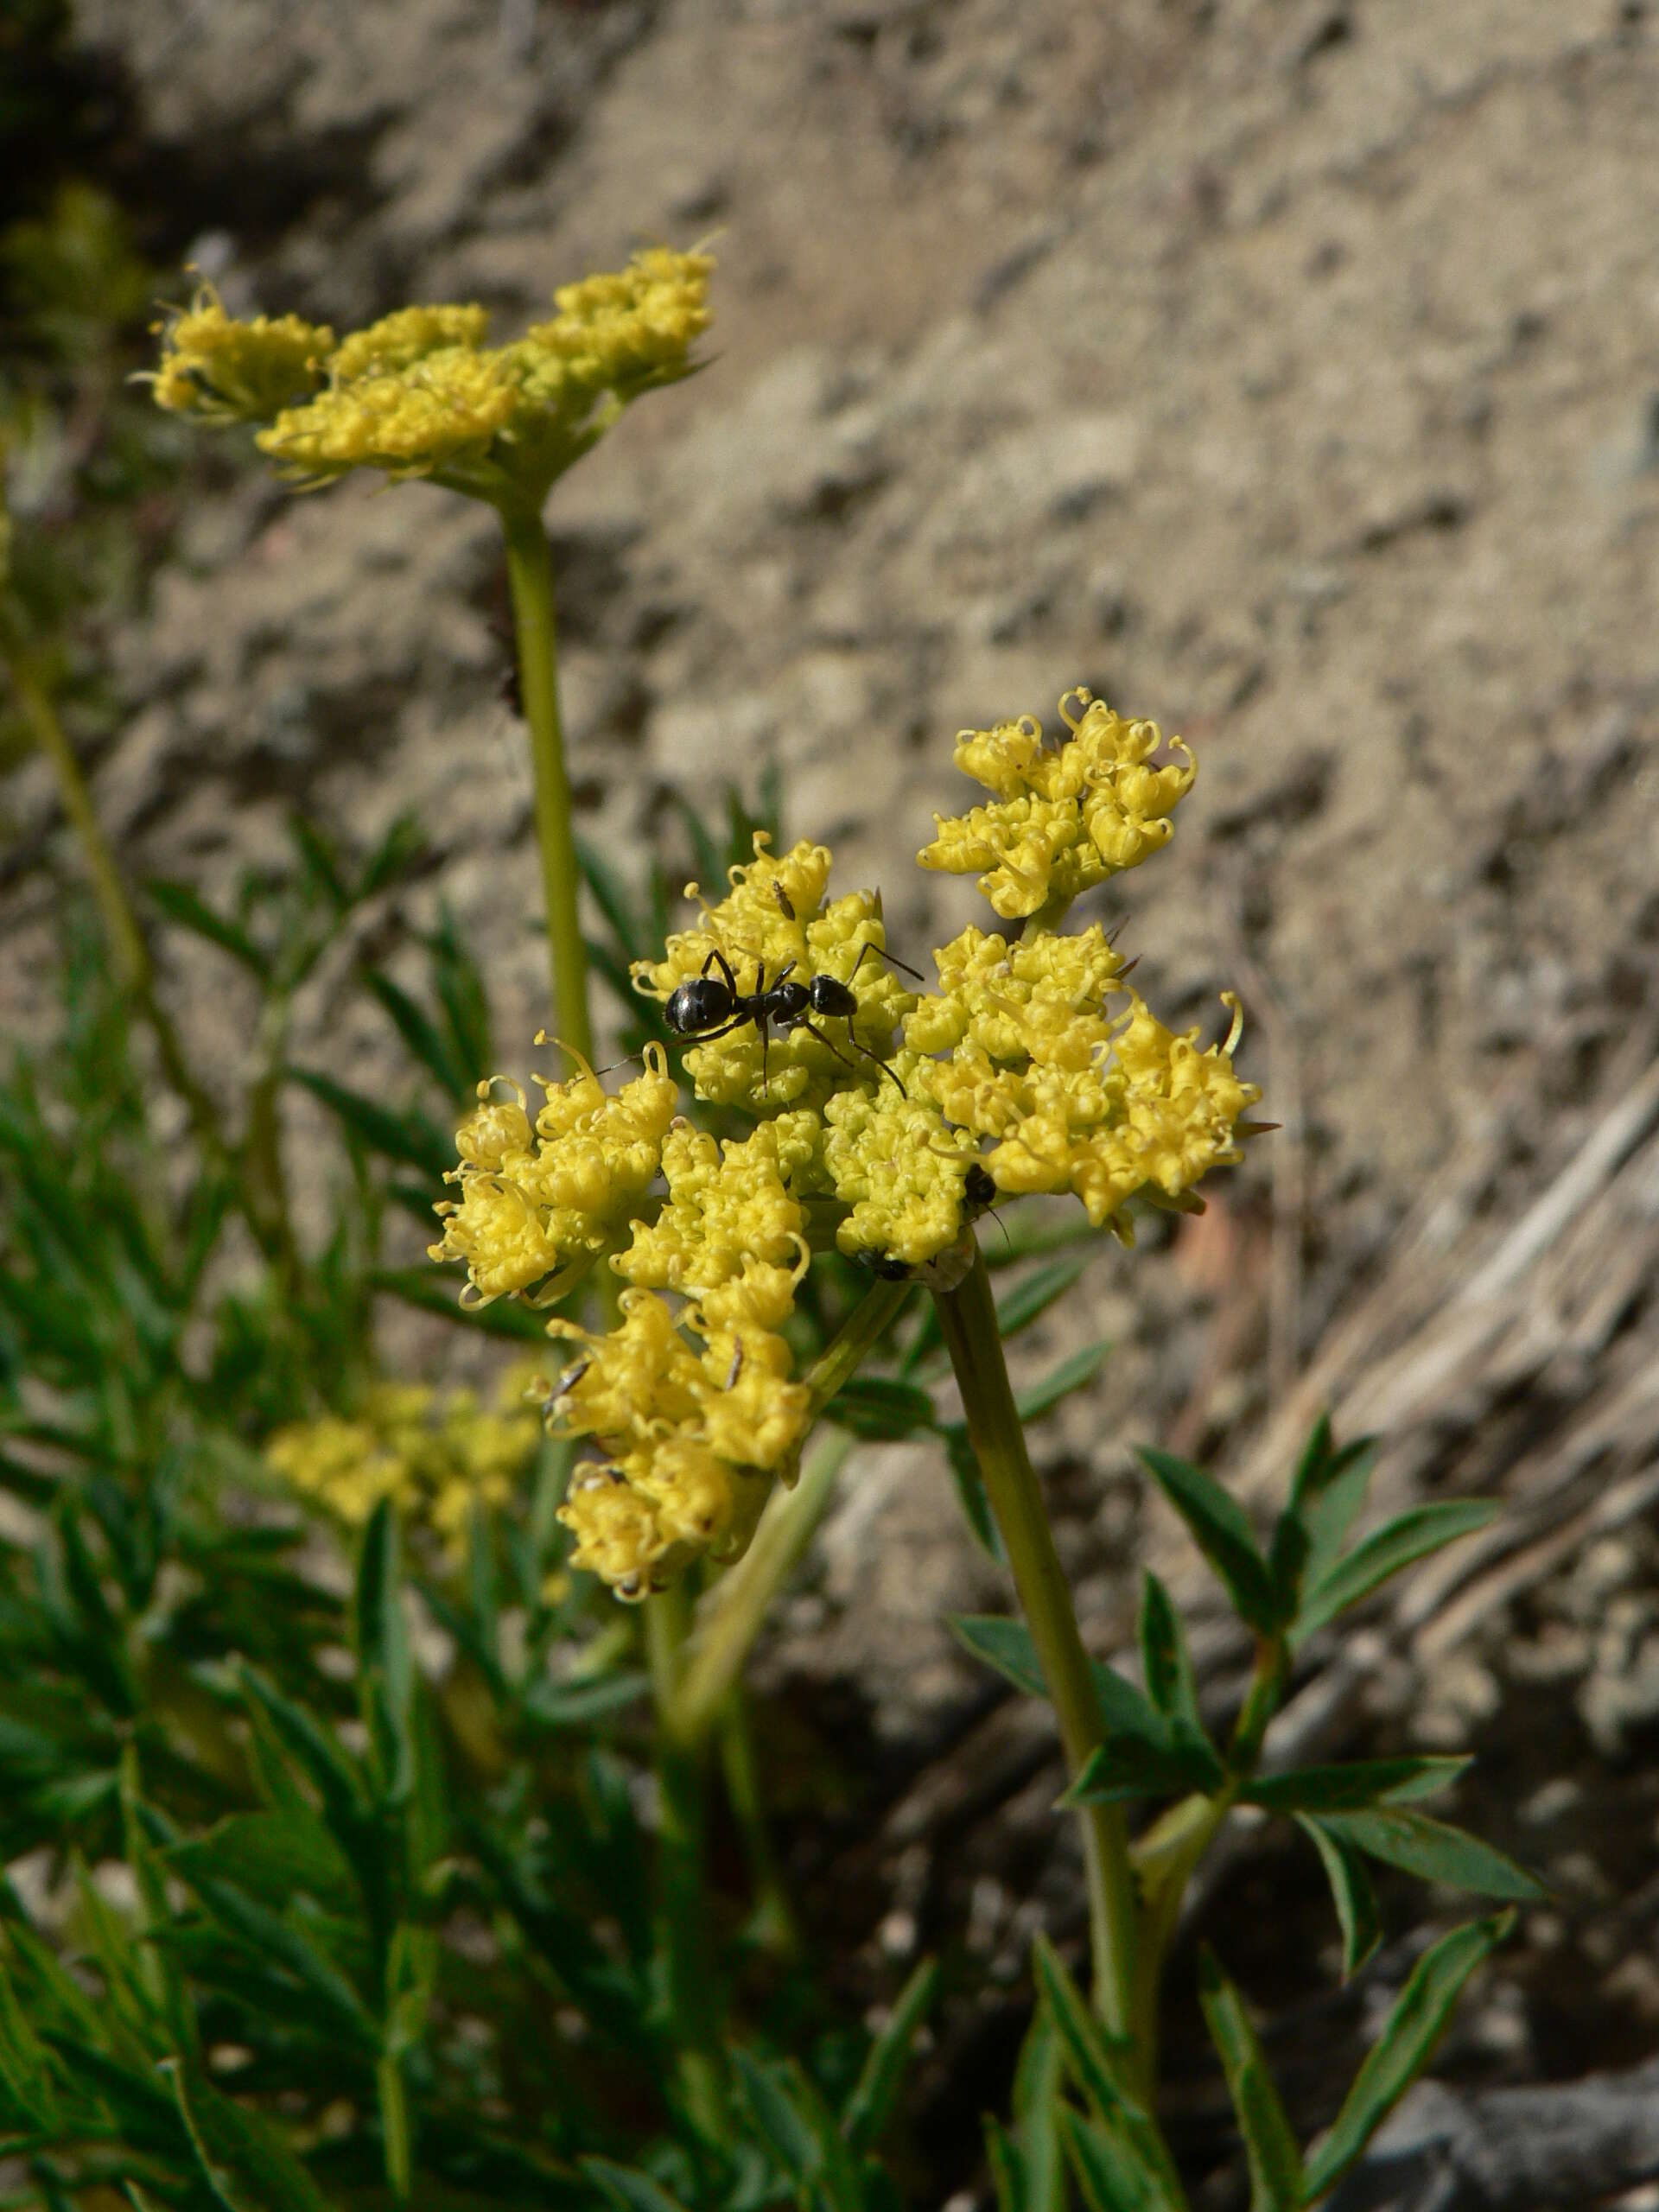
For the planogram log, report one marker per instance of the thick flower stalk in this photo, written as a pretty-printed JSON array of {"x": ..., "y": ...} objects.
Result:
[{"x": 438, "y": 1456}]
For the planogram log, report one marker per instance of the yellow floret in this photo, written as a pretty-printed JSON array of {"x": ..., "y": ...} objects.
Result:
[
  {"x": 446, "y": 407},
  {"x": 1064, "y": 816},
  {"x": 439, "y": 1460},
  {"x": 899, "y": 1167},
  {"x": 226, "y": 370},
  {"x": 398, "y": 341}
]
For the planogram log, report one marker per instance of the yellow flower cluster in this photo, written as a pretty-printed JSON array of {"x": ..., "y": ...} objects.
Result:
[
  {"x": 539, "y": 1204},
  {"x": 231, "y": 372},
  {"x": 1033, "y": 1067},
  {"x": 1064, "y": 816},
  {"x": 420, "y": 394},
  {"x": 435, "y": 1457},
  {"x": 690, "y": 1434},
  {"x": 774, "y": 918}
]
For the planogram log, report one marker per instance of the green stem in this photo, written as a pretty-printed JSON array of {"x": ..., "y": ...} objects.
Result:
[
  {"x": 394, "y": 2125},
  {"x": 682, "y": 1907},
  {"x": 968, "y": 1318},
  {"x": 736, "y": 1608},
  {"x": 127, "y": 944},
  {"x": 530, "y": 576},
  {"x": 772, "y": 1925}
]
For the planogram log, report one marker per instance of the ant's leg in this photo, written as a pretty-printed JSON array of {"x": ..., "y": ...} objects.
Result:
[
  {"x": 708, "y": 1036},
  {"x": 881, "y": 953},
  {"x": 717, "y": 959},
  {"x": 813, "y": 1030}
]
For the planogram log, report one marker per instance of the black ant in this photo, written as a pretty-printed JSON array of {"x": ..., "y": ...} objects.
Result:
[{"x": 712, "y": 1006}]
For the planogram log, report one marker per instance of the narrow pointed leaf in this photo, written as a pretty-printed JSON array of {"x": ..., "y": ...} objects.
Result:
[
  {"x": 1167, "y": 1664},
  {"x": 245, "y": 2161},
  {"x": 190, "y": 912},
  {"x": 1126, "y": 1767},
  {"x": 1221, "y": 1531},
  {"x": 1275, "y": 2162},
  {"x": 1033, "y": 1296},
  {"x": 1107, "y": 2173},
  {"x": 421, "y": 1038},
  {"x": 411, "y": 1138},
  {"x": 881, "y": 1408},
  {"x": 871, "y": 2103},
  {"x": 1406, "y": 2044},
  {"x": 629, "y": 2190},
  {"x": 1352, "y": 1893},
  {"x": 1354, "y": 1787},
  {"x": 970, "y": 1492},
  {"x": 1039, "y": 2085},
  {"x": 1061, "y": 1382},
  {"x": 1435, "y": 1853},
  {"x": 1410, "y": 1537},
  {"x": 1095, "y": 2064},
  {"x": 385, "y": 1666},
  {"x": 1007, "y": 2164}
]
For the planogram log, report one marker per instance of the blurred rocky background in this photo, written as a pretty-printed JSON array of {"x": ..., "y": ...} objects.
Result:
[{"x": 1287, "y": 370}]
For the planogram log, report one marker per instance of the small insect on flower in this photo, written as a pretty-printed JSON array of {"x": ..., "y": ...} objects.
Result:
[{"x": 712, "y": 1006}]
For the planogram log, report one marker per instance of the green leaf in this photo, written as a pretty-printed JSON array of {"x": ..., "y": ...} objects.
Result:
[
  {"x": 1221, "y": 1531},
  {"x": 412, "y": 1140},
  {"x": 611, "y": 896},
  {"x": 248, "y": 2166},
  {"x": 1061, "y": 1382},
  {"x": 629, "y": 2190},
  {"x": 1007, "y": 2164},
  {"x": 1352, "y": 1788},
  {"x": 1355, "y": 1899},
  {"x": 1325, "y": 1492},
  {"x": 798, "y": 2131},
  {"x": 185, "y": 907},
  {"x": 462, "y": 992},
  {"x": 1003, "y": 1645},
  {"x": 421, "y": 1038},
  {"x": 1141, "y": 1752},
  {"x": 1095, "y": 2064},
  {"x": 970, "y": 1492},
  {"x": 1033, "y": 1296},
  {"x": 1126, "y": 1767},
  {"x": 1039, "y": 2086},
  {"x": 385, "y": 1665},
  {"x": 579, "y": 1703},
  {"x": 1410, "y": 1537},
  {"x": 402, "y": 846},
  {"x": 1434, "y": 1852},
  {"x": 1109, "y": 2176},
  {"x": 1406, "y": 2044},
  {"x": 320, "y": 859},
  {"x": 1167, "y": 1664},
  {"x": 1274, "y": 2159},
  {"x": 867, "y": 2110},
  {"x": 880, "y": 1409},
  {"x": 271, "y": 1855}
]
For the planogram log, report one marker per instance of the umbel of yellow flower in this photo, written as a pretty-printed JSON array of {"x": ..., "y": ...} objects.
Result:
[
  {"x": 420, "y": 394},
  {"x": 1064, "y": 816},
  {"x": 437, "y": 1458}
]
